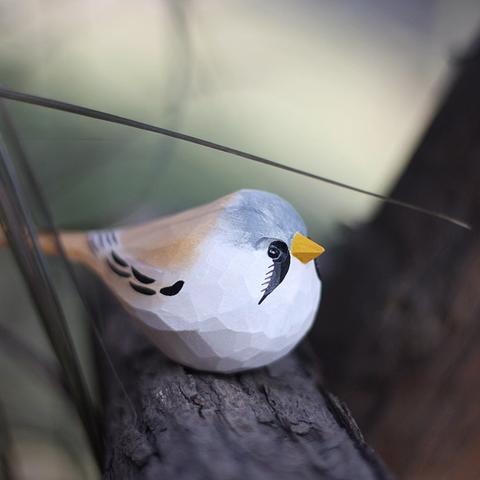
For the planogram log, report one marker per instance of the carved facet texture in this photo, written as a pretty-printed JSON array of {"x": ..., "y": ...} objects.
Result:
[{"x": 218, "y": 288}]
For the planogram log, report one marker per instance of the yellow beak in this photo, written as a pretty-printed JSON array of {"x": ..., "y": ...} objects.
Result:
[{"x": 305, "y": 249}]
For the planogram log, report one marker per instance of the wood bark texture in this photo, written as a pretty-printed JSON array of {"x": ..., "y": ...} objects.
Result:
[
  {"x": 399, "y": 328},
  {"x": 273, "y": 423}
]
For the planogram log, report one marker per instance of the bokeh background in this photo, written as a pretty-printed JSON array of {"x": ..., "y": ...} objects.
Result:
[{"x": 341, "y": 88}]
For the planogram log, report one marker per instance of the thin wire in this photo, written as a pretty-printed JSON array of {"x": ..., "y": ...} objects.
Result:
[
  {"x": 42, "y": 204},
  {"x": 108, "y": 117},
  {"x": 16, "y": 219}
]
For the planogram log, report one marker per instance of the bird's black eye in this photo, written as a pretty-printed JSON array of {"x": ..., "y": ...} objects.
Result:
[
  {"x": 274, "y": 252},
  {"x": 277, "y": 250}
]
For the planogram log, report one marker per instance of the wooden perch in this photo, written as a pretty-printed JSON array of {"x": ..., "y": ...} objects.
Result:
[
  {"x": 275, "y": 423},
  {"x": 404, "y": 293}
]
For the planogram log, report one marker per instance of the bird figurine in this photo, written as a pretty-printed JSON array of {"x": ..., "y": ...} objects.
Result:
[{"x": 224, "y": 287}]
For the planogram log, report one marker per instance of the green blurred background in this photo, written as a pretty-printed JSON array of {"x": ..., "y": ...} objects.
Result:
[{"x": 342, "y": 88}]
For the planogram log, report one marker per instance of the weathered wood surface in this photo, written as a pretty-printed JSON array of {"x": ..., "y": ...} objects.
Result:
[
  {"x": 274, "y": 423},
  {"x": 399, "y": 335}
]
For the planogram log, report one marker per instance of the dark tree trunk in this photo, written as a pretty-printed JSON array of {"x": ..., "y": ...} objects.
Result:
[
  {"x": 399, "y": 329},
  {"x": 274, "y": 423}
]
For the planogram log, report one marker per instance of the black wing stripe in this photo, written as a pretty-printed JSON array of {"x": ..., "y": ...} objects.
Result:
[
  {"x": 116, "y": 270},
  {"x": 141, "y": 289},
  {"x": 142, "y": 277},
  {"x": 119, "y": 260}
]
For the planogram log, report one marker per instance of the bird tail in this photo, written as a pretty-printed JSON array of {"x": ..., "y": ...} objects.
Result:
[{"x": 74, "y": 244}]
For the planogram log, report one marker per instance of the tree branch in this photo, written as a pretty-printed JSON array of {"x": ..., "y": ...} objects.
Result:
[{"x": 271, "y": 423}]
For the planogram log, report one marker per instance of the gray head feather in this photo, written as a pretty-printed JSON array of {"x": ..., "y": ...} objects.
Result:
[{"x": 253, "y": 215}]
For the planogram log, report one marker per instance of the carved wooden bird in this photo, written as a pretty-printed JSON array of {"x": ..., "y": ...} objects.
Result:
[{"x": 227, "y": 286}]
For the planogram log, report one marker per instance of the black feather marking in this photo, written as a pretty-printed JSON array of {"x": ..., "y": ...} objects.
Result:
[
  {"x": 142, "y": 277},
  {"x": 281, "y": 264},
  {"x": 172, "y": 289},
  {"x": 141, "y": 289},
  {"x": 119, "y": 260},
  {"x": 116, "y": 270}
]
